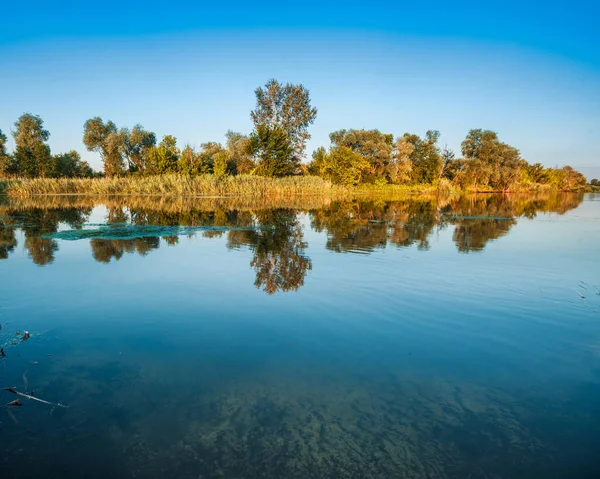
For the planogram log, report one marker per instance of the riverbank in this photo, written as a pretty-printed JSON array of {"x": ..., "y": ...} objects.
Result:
[{"x": 256, "y": 187}]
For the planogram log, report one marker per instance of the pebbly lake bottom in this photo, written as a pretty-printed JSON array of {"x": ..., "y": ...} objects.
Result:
[{"x": 364, "y": 340}]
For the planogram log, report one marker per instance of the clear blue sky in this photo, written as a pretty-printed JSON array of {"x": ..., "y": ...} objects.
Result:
[{"x": 529, "y": 70}]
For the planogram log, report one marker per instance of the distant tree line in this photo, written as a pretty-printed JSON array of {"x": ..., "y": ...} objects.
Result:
[
  {"x": 276, "y": 146},
  {"x": 369, "y": 156},
  {"x": 32, "y": 156}
]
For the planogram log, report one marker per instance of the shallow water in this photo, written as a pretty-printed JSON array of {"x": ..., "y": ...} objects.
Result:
[{"x": 363, "y": 339}]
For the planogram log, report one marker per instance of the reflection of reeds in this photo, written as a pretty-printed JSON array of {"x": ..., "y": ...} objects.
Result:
[{"x": 164, "y": 204}]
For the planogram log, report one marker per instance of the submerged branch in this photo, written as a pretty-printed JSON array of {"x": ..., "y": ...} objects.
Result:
[{"x": 32, "y": 398}]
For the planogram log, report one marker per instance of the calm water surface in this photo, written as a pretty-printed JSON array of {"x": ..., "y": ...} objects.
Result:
[{"x": 215, "y": 339}]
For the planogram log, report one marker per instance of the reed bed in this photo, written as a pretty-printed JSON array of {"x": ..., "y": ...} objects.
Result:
[
  {"x": 178, "y": 185},
  {"x": 255, "y": 189}
]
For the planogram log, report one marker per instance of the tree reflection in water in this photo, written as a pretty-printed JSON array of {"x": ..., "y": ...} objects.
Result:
[
  {"x": 278, "y": 246},
  {"x": 8, "y": 241},
  {"x": 35, "y": 223},
  {"x": 275, "y": 236}
]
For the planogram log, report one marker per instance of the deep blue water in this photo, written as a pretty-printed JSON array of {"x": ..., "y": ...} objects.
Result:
[{"x": 415, "y": 339}]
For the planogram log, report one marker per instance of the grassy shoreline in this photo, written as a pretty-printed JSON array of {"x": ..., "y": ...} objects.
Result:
[
  {"x": 242, "y": 186},
  {"x": 206, "y": 186}
]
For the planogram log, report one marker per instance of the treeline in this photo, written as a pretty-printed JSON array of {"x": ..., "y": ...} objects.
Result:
[
  {"x": 371, "y": 157},
  {"x": 276, "y": 146},
  {"x": 32, "y": 157}
]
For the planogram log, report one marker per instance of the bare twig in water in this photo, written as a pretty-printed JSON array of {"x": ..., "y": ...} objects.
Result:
[
  {"x": 12, "y": 416},
  {"x": 33, "y": 398}
]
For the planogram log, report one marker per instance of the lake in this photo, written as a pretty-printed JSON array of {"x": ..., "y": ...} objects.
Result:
[{"x": 215, "y": 338}]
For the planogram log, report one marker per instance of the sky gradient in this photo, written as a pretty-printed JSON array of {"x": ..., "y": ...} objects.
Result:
[{"x": 530, "y": 72}]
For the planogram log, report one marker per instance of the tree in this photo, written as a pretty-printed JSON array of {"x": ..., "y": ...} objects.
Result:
[
  {"x": 317, "y": 165},
  {"x": 104, "y": 139},
  {"x": 572, "y": 178},
  {"x": 69, "y": 165},
  {"x": 240, "y": 153},
  {"x": 163, "y": 158},
  {"x": 206, "y": 157},
  {"x": 32, "y": 156},
  {"x": 490, "y": 162},
  {"x": 536, "y": 173},
  {"x": 342, "y": 165},
  {"x": 375, "y": 147},
  {"x": 400, "y": 170},
  {"x": 136, "y": 144},
  {"x": 29, "y": 131},
  {"x": 595, "y": 182},
  {"x": 273, "y": 151},
  {"x": 425, "y": 158},
  {"x": 5, "y": 159},
  {"x": 85, "y": 170},
  {"x": 448, "y": 158},
  {"x": 2, "y": 144},
  {"x": 221, "y": 162},
  {"x": 287, "y": 107},
  {"x": 188, "y": 161}
]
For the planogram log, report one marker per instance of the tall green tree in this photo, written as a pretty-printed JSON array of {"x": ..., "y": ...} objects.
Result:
[
  {"x": 287, "y": 107},
  {"x": 222, "y": 163},
  {"x": 69, "y": 165},
  {"x": 163, "y": 158},
  {"x": 400, "y": 170},
  {"x": 425, "y": 158},
  {"x": 5, "y": 159},
  {"x": 490, "y": 162},
  {"x": 29, "y": 131},
  {"x": 3, "y": 139},
  {"x": 188, "y": 161},
  {"x": 240, "y": 153},
  {"x": 206, "y": 156},
  {"x": 342, "y": 165},
  {"x": 136, "y": 143},
  {"x": 273, "y": 151},
  {"x": 105, "y": 139},
  {"x": 32, "y": 156},
  {"x": 535, "y": 172},
  {"x": 375, "y": 147}
]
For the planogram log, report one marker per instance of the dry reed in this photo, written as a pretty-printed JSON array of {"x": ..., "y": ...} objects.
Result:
[{"x": 177, "y": 185}]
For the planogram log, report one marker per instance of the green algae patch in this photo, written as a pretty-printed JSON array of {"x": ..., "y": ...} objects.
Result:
[{"x": 128, "y": 231}]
